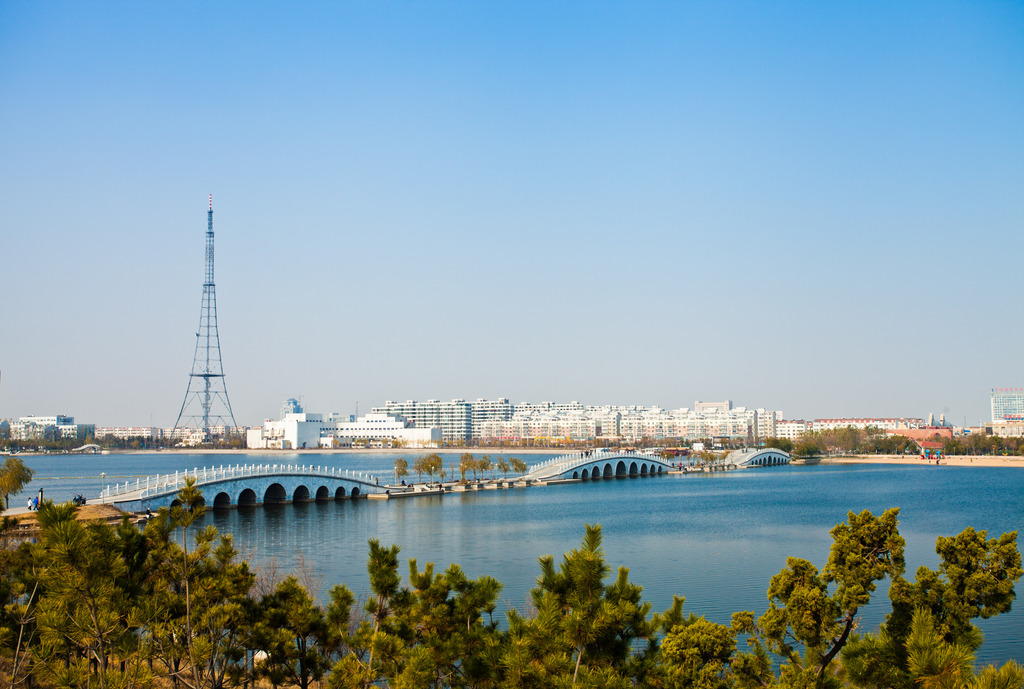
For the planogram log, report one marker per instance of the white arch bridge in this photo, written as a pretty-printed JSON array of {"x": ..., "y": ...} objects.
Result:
[
  {"x": 244, "y": 485},
  {"x": 599, "y": 464},
  {"x": 767, "y": 457}
]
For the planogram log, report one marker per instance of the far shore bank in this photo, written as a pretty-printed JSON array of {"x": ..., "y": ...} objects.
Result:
[
  {"x": 348, "y": 451},
  {"x": 915, "y": 460},
  {"x": 953, "y": 460}
]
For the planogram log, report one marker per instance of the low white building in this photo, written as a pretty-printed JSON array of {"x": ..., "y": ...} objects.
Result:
[
  {"x": 378, "y": 428},
  {"x": 882, "y": 424},
  {"x": 297, "y": 431},
  {"x": 128, "y": 432},
  {"x": 1008, "y": 429}
]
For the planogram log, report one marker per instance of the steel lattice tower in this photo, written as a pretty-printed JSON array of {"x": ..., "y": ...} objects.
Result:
[{"x": 206, "y": 402}]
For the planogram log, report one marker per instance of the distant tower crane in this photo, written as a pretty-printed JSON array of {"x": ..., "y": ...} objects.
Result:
[{"x": 206, "y": 404}]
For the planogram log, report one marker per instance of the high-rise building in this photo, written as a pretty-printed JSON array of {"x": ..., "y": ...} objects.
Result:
[
  {"x": 290, "y": 406},
  {"x": 483, "y": 410},
  {"x": 1007, "y": 404},
  {"x": 453, "y": 418}
]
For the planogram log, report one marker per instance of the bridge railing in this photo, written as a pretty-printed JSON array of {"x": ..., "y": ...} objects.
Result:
[{"x": 167, "y": 483}]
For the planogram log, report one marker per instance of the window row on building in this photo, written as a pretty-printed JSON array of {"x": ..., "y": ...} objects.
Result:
[{"x": 56, "y": 427}]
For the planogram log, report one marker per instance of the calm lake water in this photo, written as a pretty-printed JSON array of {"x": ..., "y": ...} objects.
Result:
[{"x": 716, "y": 539}]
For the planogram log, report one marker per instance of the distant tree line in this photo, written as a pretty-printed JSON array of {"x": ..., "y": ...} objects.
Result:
[
  {"x": 433, "y": 465},
  {"x": 978, "y": 444},
  {"x": 866, "y": 441},
  {"x": 115, "y": 607},
  {"x": 232, "y": 441}
]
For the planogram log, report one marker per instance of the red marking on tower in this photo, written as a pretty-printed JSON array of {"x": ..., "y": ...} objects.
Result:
[{"x": 211, "y": 202}]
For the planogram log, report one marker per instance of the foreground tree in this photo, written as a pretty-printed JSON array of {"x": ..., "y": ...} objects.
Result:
[
  {"x": 698, "y": 653},
  {"x": 432, "y": 635},
  {"x": 975, "y": 578},
  {"x": 295, "y": 635},
  {"x": 199, "y": 598},
  {"x": 811, "y": 614},
  {"x": 583, "y": 632},
  {"x": 98, "y": 606},
  {"x": 14, "y": 476},
  {"x": 89, "y": 622},
  {"x": 930, "y": 661}
]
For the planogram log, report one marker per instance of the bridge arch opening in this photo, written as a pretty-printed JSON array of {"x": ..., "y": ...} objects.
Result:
[
  {"x": 340, "y": 493},
  {"x": 275, "y": 494},
  {"x": 643, "y": 469},
  {"x": 576, "y": 474},
  {"x": 632, "y": 469},
  {"x": 222, "y": 501},
  {"x": 585, "y": 475},
  {"x": 301, "y": 494},
  {"x": 176, "y": 503},
  {"x": 620, "y": 469},
  {"x": 608, "y": 471},
  {"x": 247, "y": 498},
  {"x": 355, "y": 491},
  {"x": 323, "y": 493}
]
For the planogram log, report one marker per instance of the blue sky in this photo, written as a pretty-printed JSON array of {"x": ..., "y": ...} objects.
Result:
[{"x": 813, "y": 207}]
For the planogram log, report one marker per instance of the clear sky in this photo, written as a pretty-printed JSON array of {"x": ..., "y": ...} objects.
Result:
[{"x": 814, "y": 207}]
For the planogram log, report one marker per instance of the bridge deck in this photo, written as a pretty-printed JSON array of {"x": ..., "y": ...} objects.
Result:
[
  {"x": 169, "y": 484},
  {"x": 563, "y": 466}
]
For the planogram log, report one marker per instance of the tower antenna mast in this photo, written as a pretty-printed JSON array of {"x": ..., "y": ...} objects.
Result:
[{"x": 206, "y": 404}]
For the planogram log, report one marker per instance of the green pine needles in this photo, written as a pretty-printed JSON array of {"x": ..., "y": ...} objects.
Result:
[{"x": 113, "y": 607}]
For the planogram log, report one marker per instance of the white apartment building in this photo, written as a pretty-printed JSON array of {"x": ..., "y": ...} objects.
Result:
[
  {"x": 526, "y": 408},
  {"x": 573, "y": 421},
  {"x": 128, "y": 432},
  {"x": 767, "y": 423},
  {"x": 455, "y": 418},
  {"x": 884, "y": 424},
  {"x": 483, "y": 410},
  {"x": 791, "y": 429},
  {"x": 541, "y": 427},
  {"x": 50, "y": 428},
  {"x": 189, "y": 436}
]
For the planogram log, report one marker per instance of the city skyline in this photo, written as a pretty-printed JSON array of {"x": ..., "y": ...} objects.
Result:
[{"x": 808, "y": 208}]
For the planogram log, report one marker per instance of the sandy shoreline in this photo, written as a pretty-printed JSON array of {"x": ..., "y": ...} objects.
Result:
[{"x": 915, "y": 460}]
